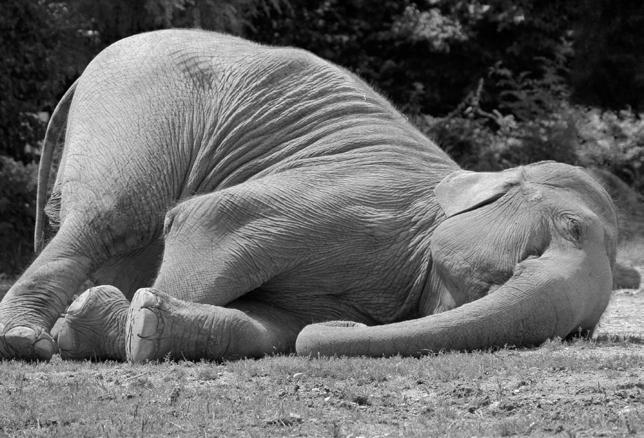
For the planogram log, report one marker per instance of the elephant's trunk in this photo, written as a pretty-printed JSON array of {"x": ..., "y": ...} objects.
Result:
[{"x": 554, "y": 295}]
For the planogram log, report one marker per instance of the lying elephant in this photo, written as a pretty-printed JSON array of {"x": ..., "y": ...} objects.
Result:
[{"x": 263, "y": 192}]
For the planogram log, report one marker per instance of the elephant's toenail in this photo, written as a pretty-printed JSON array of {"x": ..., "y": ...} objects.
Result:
[
  {"x": 78, "y": 303},
  {"x": 21, "y": 340},
  {"x": 148, "y": 323},
  {"x": 20, "y": 335}
]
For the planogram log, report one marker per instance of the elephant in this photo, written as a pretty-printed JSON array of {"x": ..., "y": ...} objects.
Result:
[{"x": 231, "y": 199}]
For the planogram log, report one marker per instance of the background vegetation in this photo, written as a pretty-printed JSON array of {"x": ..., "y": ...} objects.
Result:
[{"x": 496, "y": 83}]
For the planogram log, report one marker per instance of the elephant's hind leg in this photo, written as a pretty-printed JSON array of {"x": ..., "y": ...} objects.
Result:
[
  {"x": 94, "y": 326},
  {"x": 160, "y": 326}
]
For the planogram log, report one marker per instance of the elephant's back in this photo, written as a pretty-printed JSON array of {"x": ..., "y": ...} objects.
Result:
[
  {"x": 214, "y": 58},
  {"x": 272, "y": 108},
  {"x": 235, "y": 109}
]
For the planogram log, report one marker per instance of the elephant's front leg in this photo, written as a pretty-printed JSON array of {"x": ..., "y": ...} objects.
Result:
[
  {"x": 160, "y": 326},
  {"x": 32, "y": 305},
  {"x": 219, "y": 248}
]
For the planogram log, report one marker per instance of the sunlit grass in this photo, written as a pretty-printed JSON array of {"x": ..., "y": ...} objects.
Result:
[{"x": 580, "y": 386}]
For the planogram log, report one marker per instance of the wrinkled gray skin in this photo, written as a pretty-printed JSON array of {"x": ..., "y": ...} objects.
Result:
[{"x": 291, "y": 194}]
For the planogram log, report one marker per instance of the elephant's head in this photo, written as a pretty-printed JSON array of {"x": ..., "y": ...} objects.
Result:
[{"x": 523, "y": 255}]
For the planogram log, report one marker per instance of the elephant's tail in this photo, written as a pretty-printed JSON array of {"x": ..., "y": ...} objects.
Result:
[{"x": 55, "y": 128}]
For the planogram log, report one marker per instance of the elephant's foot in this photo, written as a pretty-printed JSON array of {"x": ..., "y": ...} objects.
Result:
[
  {"x": 94, "y": 325},
  {"x": 160, "y": 326},
  {"x": 23, "y": 342},
  {"x": 23, "y": 335}
]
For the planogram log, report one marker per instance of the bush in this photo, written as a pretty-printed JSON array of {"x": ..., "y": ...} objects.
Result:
[
  {"x": 533, "y": 121},
  {"x": 17, "y": 214},
  {"x": 613, "y": 141},
  {"x": 549, "y": 138},
  {"x": 467, "y": 141},
  {"x": 609, "y": 140},
  {"x": 477, "y": 146}
]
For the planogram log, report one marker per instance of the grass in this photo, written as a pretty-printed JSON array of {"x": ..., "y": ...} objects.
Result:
[{"x": 571, "y": 389}]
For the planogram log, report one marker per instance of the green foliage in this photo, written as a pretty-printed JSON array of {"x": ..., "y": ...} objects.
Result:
[
  {"x": 17, "y": 213},
  {"x": 548, "y": 138},
  {"x": 577, "y": 135},
  {"x": 430, "y": 26},
  {"x": 36, "y": 41},
  {"x": 466, "y": 140},
  {"x": 532, "y": 122},
  {"x": 613, "y": 141},
  {"x": 477, "y": 146}
]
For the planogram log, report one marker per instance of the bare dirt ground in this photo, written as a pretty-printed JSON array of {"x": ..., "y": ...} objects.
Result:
[{"x": 624, "y": 317}]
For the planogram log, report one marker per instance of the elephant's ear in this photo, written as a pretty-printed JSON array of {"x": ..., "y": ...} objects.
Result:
[{"x": 462, "y": 190}]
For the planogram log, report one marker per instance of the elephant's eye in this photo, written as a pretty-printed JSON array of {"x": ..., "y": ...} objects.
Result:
[{"x": 572, "y": 227}]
